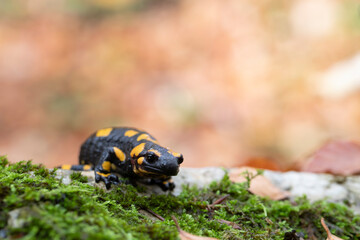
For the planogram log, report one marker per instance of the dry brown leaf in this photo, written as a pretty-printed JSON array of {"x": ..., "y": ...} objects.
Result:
[
  {"x": 336, "y": 157},
  {"x": 260, "y": 185},
  {"x": 330, "y": 236},
  {"x": 188, "y": 236},
  {"x": 263, "y": 163}
]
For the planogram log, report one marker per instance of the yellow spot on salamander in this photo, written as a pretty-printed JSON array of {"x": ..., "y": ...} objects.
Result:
[
  {"x": 137, "y": 150},
  {"x": 142, "y": 172},
  {"x": 106, "y": 166},
  {"x": 145, "y": 136},
  {"x": 156, "y": 152},
  {"x": 140, "y": 160},
  {"x": 175, "y": 154},
  {"x": 168, "y": 181},
  {"x": 130, "y": 133},
  {"x": 66, "y": 167},
  {"x": 87, "y": 167},
  {"x": 113, "y": 167},
  {"x": 103, "y": 174},
  {"x": 103, "y": 132},
  {"x": 119, "y": 154}
]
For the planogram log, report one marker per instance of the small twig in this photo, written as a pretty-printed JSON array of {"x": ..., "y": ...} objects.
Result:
[
  {"x": 176, "y": 222},
  {"x": 231, "y": 224},
  {"x": 216, "y": 202},
  {"x": 326, "y": 229},
  {"x": 155, "y": 214},
  {"x": 219, "y": 201}
]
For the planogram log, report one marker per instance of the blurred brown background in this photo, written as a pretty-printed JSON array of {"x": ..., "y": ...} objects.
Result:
[{"x": 219, "y": 81}]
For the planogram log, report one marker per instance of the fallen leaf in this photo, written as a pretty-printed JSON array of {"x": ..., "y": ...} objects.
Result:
[
  {"x": 336, "y": 157},
  {"x": 263, "y": 163},
  {"x": 330, "y": 235},
  {"x": 259, "y": 185},
  {"x": 188, "y": 236}
]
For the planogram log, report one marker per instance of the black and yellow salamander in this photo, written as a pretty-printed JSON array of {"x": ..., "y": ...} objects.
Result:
[{"x": 130, "y": 152}]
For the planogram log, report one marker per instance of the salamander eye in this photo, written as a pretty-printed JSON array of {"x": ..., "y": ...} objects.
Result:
[{"x": 151, "y": 158}]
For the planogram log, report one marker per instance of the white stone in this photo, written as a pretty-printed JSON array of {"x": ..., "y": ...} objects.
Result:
[
  {"x": 319, "y": 186},
  {"x": 200, "y": 177}
]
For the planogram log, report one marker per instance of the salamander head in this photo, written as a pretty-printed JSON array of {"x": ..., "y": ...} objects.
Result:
[{"x": 152, "y": 160}]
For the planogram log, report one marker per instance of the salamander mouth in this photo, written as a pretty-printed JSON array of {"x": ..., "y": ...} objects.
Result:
[
  {"x": 153, "y": 170},
  {"x": 158, "y": 171},
  {"x": 148, "y": 171}
]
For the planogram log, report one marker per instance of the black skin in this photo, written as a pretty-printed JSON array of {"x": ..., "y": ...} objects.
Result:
[{"x": 157, "y": 166}]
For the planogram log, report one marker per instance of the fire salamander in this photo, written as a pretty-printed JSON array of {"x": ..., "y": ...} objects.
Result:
[{"x": 130, "y": 152}]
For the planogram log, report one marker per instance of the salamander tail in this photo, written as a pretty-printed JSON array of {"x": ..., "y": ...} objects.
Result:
[{"x": 85, "y": 167}]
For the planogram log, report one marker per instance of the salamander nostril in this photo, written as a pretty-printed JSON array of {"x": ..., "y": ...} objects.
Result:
[{"x": 180, "y": 159}]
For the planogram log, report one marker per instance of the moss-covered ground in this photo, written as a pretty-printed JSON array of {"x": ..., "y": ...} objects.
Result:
[{"x": 53, "y": 210}]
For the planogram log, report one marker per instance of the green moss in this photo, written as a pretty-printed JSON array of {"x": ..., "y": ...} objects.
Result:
[
  {"x": 77, "y": 176},
  {"x": 52, "y": 210}
]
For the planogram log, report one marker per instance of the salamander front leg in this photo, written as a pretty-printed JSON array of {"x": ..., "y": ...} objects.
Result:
[
  {"x": 165, "y": 184},
  {"x": 103, "y": 168}
]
